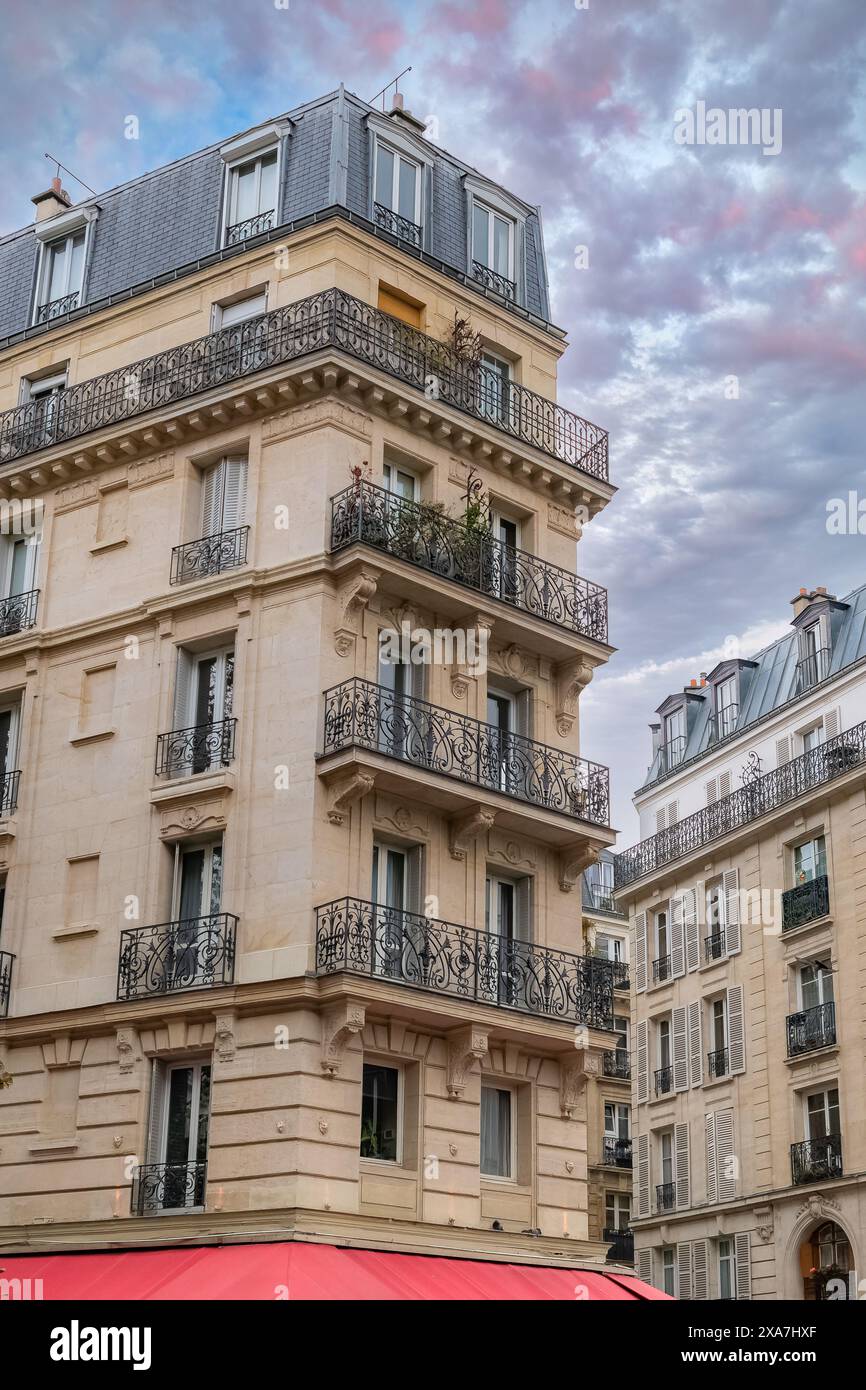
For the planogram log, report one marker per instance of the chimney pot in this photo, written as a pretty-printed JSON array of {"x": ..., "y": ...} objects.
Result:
[
  {"x": 397, "y": 103},
  {"x": 54, "y": 200}
]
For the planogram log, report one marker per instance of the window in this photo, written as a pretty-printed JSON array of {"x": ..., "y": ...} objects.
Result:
[
  {"x": 397, "y": 184},
  {"x": 18, "y": 560},
  {"x": 380, "y": 1117},
  {"x": 617, "y": 1120},
  {"x": 225, "y": 315},
  {"x": 493, "y": 243},
  {"x": 810, "y": 860},
  {"x": 822, "y": 1114},
  {"x": 715, "y": 942},
  {"x": 726, "y": 707},
  {"x": 204, "y": 694},
  {"x": 617, "y": 1211},
  {"x": 508, "y": 716},
  {"x": 664, "y": 1041},
  {"x": 675, "y": 736},
  {"x": 224, "y": 492},
  {"x": 174, "y": 1177},
  {"x": 727, "y": 1270},
  {"x": 620, "y": 1027},
  {"x": 494, "y": 390},
  {"x": 62, "y": 276},
  {"x": 662, "y": 961},
  {"x": 814, "y": 661},
  {"x": 252, "y": 197},
  {"x": 401, "y": 482},
  {"x": 497, "y": 1132},
  {"x": 197, "y": 881},
  {"x": 717, "y": 1058},
  {"x": 813, "y": 738},
  {"x": 400, "y": 933},
  {"x": 816, "y": 985},
  {"x": 398, "y": 733},
  {"x": 669, "y": 1271},
  {"x": 507, "y": 922},
  {"x": 666, "y": 1153},
  {"x": 9, "y": 720}
]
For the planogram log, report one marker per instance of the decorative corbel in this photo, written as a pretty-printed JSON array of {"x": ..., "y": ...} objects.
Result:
[
  {"x": 126, "y": 1040},
  {"x": 574, "y": 1071},
  {"x": 464, "y": 1049},
  {"x": 338, "y": 1025},
  {"x": 572, "y": 864},
  {"x": 571, "y": 678},
  {"x": 464, "y": 830},
  {"x": 480, "y": 631},
  {"x": 224, "y": 1039},
  {"x": 353, "y": 599},
  {"x": 345, "y": 791}
]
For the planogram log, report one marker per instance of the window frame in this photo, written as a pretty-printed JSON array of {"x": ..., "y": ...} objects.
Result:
[
  {"x": 669, "y": 1265},
  {"x": 379, "y": 142},
  {"x": 387, "y": 1064},
  {"x": 274, "y": 146},
  {"x": 730, "y": 1259},
  {"x": 617, "y": 1106},
  {"x": 496, "y": 1084},
  {"x": 182, "y": 848},
  {"x": 492, "y": 214},
  {"x": 195, "y": 1117}
]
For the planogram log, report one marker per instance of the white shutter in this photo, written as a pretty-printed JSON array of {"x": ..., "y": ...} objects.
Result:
[
  {"x": 742, "y": 1255},
  {"x": 684, "y": 1269},
  {"x": 700, "y": 1269},
  {"x": 726, "y": 1162},
  {"x": 212, "y": 500},
  {"x": 640, "y": 952},
  {"x": 783, "y": 751},
  {"x": 643, "y": 1175},
  {"x": 31, "y": 561},
  {"x": 673, "y": 812},
  {"x": 692, "y": 933},
  {"x": 661, "y": 819},
  {"x": 731, "y": 895},
  {"x": 678, "y": 959},
  {"x": 153, "y": 1153},
  {"x": 234, "y": 493},
  {"x": 522, "y": 908},
  {"x": 696, "y": 1044},
  {"x": 642, "y": 1079},
  {"x": 831, "y": 723},
  {"x": 645, "y": 1265},
  {"x": 710, "y": 1135},
  {"x": 414, "y": 900},
  {"x": 182, "y": 689},
  {"x": 243, "y": 309},
  {"x": 712, "y": 790},
  {"x": 681, "y": 1054},
  {"x": 724, "y": 785},
  {"x": 681, "y": 1150},
  {"x": 736, "y": 1030}
]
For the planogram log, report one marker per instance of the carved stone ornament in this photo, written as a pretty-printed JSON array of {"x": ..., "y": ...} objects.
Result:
[
  {"x": 463, "y": 831},
  {"x": 345, "y": 791},
  {"x": 464, "y": 1049},
  {"x": 573, "y": 863},
  {"x": 126, "y": 1039},
  {"x": 571, "y": 678},
  {"x": 354, "y": 597},
  {"x": 820, "y": 1208},
  {"x": 574, "y": 1068},
  {"x": 480, "y": 632},
  {"x": 338, "y": 1026},
  {"x": 225, "y": 1041}
]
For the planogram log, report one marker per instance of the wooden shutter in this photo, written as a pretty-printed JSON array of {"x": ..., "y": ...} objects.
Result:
[
  {"x": 743, "y": 1258},
  {"x": 678, "y": 958},
  {"x": 700, "y": 1269},
  {"x": 726, "y": 1169},
  {"x": 643, "y": 1175},
  {"x": 680, "y": 1050},
  {"x": 234, "y": 493},
  {"x": 642, "y": 1089},
  {"x": 644, "y": 1260},
  {"x": 831, "y": 723},
  {"x": 712, "y": 790},
  {"x": 736, "y": 1030},
  {"x": 523, "y": 909},
  {"x": 731, "y": 895},
  {"x": 182, "y": 689},
  {"x": 681, "y": 1152},
  {"x": 158, "y": 1079},
  {"x": 661, "y": 818},
  {"x": 710, "y": 1136},
  {"x": 414, "y": 868},
  {"x": 696, "y": 1046},
  {"x": 783, "y": 751},
  {"x": 212, "y": 500},
  {"x": 640, "y": 952},
  {"x": 31, "y": 561},
  {"x": 684, "y": 1269},
  {"x": 673, "y": 812},
  {"x": 692, "y": 933},
  {"x": 724, "y": 785}
]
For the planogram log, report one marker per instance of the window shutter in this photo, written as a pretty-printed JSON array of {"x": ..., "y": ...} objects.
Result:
[
  {"x": 742, "y": 1255},
  {"x": 731, "y": 895},
  {"x": 523, "y": 714},
  {"x": 235, "y": 493},
  {"x": 736, "y": 1030},
  {"x": 182, "y": 689},
  {"x": 642, "y": 1061},
  {"x": 31, "y": 561},
  {"x": 724, "y": 785},
  {"x": 523, "y": 909},
  {"x": 678, "y": 960},
  {"x": 644, "y": 1265},
  {"x": 158, "y": 1080},
  {"x": 696, "y": 1047},
  {"x": 710, "y": 1135},
  {"x": 640, "y": 952},
  {"x": 673, "y": 812},
  {"x": 783, "y": 751},
  {"x": 726, "y": 1182},
  {"x": 643, "y": 1175},
  {"x": 681, "y": 1055},
  {"x": 831, "y": 723},
  {"x": 661, "y": 818},
  {"x": 684, "y": 1269},
  {"x": 243, "y": 309},
  {"x": 681, "y": 1150},
  {"x": 692, "y": 934},
  {"x": 212, "y": 500},
  {"x": 414, "y": 865},
  {"x": 700, "y": 1270},
  {"x": 712, "y": 789}
]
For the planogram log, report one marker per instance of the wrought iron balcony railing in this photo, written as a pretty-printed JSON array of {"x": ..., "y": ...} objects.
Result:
[
  {"x": 226, "y": 550},
  {"x": 202, "y": 748},
  {"x": 492, "y": 280},
  {"x": 813, "y": 668},
  {"x": 718, "y": 1064},
  {"x": 386, "y": 943},
  {"x": 622, "y": 1244},
  {"x": 806, "y": 903},
  {"x": 55, "y": 308},
  {"x": 360, "y": 714},
  {"x": 250, "y": 227},
  {"x": 663, "y": 1080},
  {"x": 331, "y": 319},
  {"x": 816, "y": 1160},
  {"x": 671, "y": 754},
  {"x": 168, "y": 1187},
  {"x": 18, "y": 612},
  {"x": 811, "y": 1029},
  {"x": 9, "y": 792},
  {"x": 662, "y": 969},
  {"x": 401, "y": 227},
  {"x": 616, "y": 1153},
  {"x": 714, "y": 946},
  {"x": 193, "y": 953},
  {"x": 617, "y": 1063},
  {"x": 6, "y": 962},
  {"x": 619, "y": 968},
  {"x": 754, "y": 799},
  {"x": 666, "y": 1196},
  {"x": 423, "y": 536},
  {"x": 723, "y": 722}
]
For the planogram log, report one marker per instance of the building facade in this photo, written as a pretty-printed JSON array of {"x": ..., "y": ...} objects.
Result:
[
  {"x": 294, "y": 812},
  {"x": 745, "y": 898}
]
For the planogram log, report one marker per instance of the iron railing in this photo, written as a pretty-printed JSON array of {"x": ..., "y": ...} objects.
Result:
[
  {"x": 783, "y": 785},
  {"x": 6, "y": 962},
  {"x": 616, "y": 1153},
  {"x": 723, "y": 722},
  {"x": 714, "y": 946},
  {"x": 811, "y": 1029},
  {"x": 226, "y": 550},
  {"x": 621, "y": 1242},
  {"x": 815, "y": 1160},
  {"x": 671, "y": 754},
  {"x": 202, "y": 748},
  {"x": 18, "y": 612},
  {"x": 806, "y": 902},
  {"x": 813, "y": 668},
  {"x": 420, "y": 534},
  {"x": 193, "y": 953},
  {"x": 718, "y": 1064},
  {"x": 168, "y": 1187},
  {"x": 329, "y": 319},
  {"x": 666, "y": 1196},
  {"x": 603, "y": 900},
  {"x": 250, "y": 227},
  {"x": 663, "y": 1080},
  {"x": 617, "y": 1063},
  {"x": 9, "y": 782},
  {"x": 619, "y": 968},
  {"x": 662, "y": 969},
  {"x": 401, "y": 227},
  {"x": 360, "y": 714},
  {"x": 388, "y": 943},
  {"x": 55, "y": 308},
  {"x": 492, "y": 280}
]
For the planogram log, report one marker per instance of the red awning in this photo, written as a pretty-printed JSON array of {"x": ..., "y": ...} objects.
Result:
[{"x": 305, "y": 1271}]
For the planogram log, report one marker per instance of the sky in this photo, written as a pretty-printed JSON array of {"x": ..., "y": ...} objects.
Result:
[{"x": 713, "y": 293}]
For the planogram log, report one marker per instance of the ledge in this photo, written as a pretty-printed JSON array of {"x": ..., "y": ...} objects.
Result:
[
  {"x": 173, "y": 791},
  {"x": 71, "y": 933},
  {"x": 794, "y": 933},
  {"x": 54, "y": 1146},
  {"x": 816, "y": 1054}
]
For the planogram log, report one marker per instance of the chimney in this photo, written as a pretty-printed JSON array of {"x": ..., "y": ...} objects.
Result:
[
  {"x": 806, "y": 597},
  {"x": 656, "y": 731},
  {"x": 55, "y": 199},
  {"x": 399, "y": 114}
]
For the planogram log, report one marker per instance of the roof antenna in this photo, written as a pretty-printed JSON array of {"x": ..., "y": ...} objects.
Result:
[
  {"x": 60, "y": 166},
  {"x": 386, "y": 88}
]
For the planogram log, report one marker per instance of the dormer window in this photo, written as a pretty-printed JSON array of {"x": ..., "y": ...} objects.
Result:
[
  {"x": 493, "y": 250},
  {"x": 726, "y": 707},
  {"x": 252, "y": 198},
  {"x": 397, "y": 194},
  {"x": 814, "y": 652},
  {"x": 675, "y": 737},
  {"x": 62, "y": 277}
]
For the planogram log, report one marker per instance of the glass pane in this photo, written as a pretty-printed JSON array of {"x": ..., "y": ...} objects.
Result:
[
  {"x": 77, "y": 265},
  {"x": 19, "y": 567},
  {"x": 203, "y": 1115},
  {"x": 57, "y": 273},
  {"x": 5, "y": 731},
  {"x": 408, "y": 182},
  {"x": 216, "y": 878},
  {"x": 191, "y": 884},
  {"x": 480, "y": 233},
  {"x": 394, "y": 888},
  {"x": 244, "y": 193},
  {"x": 500, "y": 246},
  {"x": 505, "y": 913},
  {"x": 385, "y": 177},
  {"x": 379, "y": 1113},
  {"x": 229, "y": 689},
  {"x": 495, "y": 1132},
  {"x": 268, "y": 187},
  {"x": 179, "y": 1115}
]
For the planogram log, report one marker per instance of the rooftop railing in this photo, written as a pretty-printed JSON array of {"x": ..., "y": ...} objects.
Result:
[{"x": 401, "y": 227}]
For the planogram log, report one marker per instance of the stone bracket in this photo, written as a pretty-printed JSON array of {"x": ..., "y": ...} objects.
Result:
[
  {"x": 338, "y": 1025},
  {"x": 126, "y": 1040},
  {"x": 480, "y": 629},
  {"x": 345, "y": 791},
  {"x": 572, "y": 677},
  {"x": 463, "y": 831},
  {"x": 574, "y": 1071},
  {"x": 573, "y": 863},
  {"x": 464, "y": 1049},
  {"x": 225, "y": 1041},
  {"x": 354, "y": 597}
]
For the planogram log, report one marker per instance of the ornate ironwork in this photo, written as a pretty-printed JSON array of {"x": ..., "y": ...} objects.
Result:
[
  {"x": 202, "y": 748},
  {"x": 492, "y": 280},
  {"x": 666, "y": 1196},
  {"x": 621, "y": 1243},
  {"x": 385, "y": 943},
  {"x": 806, "y": 902},
  {"x": 662, "y": 969},
  {"x": 55, "y": 308},
  {"x": 360, "y": 714},
  {"x": 250, "y": 227},
  {"x": 18, "y": 612},
  {"x": 603, "y": 900},
  {"x": 421, "y": 535},
  {"x": 330, "y": 319},
  {"x": 751, "y": 770},
  {"x": 663, "y": 1080},
  {"x": 616, "y": 1153},
  {"x": 7, "y": 960},
  {"x": 168, "y": 1187},
  {"x": 717, "y": 1064},
  {"x": 193, "y": 953},
  {"x": 811, "y": 1029},
  {"x": 815, "y": 1160},
  {"x": 779, "y": 787},
  {"x": 672, "y": 753},
  {"x": 9, "y": 792},
  {"x": 723, "y": 723},
  {"x": 226, "y": 550},
  {"x": 617, "y": 1063},
  {"x": 812, "y": 669},
  {"x": 403, "y": 228}
]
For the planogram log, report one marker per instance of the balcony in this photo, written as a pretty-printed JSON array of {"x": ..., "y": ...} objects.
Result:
[
  {"x": 616, "y": 1153},
  {"x": 813, "y": 669},
  {"x": 671, "y": 754},
  {"x": 723, "y": 723},
  {"x": 9, "y": 793},
  {"x": 662, "y": 969},
  {"x": 160, "y": 1187},
  {"x": 765, "y": 794},
  {"x": 400, "y": 227},
  {"x": 194, "y": 953},
  {"x": 811, "y": 1029},
  {"x": 421, "y": 535},
  {"x": 718, "y": 1064},
  {"x": 385, "y": 943},
  {"x": 714, "y": 947},
  {"x": 663, "y": 1081},
  {"x": 617, "y": 1063},
  {"x": 6, "y": 963},
  {"x": 18, "y": 612},
  {"x": 666, "y": 1196},
  {"x": 250, "y": 227},
  {"x": 56, "y": 308},
  {"x": 226, "y": 550},
  {"x": 806, "y": 903},
  {"x": 330, "y": 320},
  {"x": 492, "y": 280},
  {"x": 602, "y": 899},
  {"x": 621, "y": 1242},
  {"x": 201, "y": 748},
  {"x": 359, "y": 714},
  {"x": 817, "y": 1160},
  {"x": 619, "y": 968}
]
